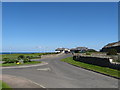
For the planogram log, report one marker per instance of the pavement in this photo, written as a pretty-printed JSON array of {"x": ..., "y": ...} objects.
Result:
[
  {"x": 19, "y": 82},
  {"x": 58, "y": 74}
]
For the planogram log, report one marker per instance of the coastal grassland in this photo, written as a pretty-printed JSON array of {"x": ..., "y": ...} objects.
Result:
[
  {"x": 15, "y": 56},
  {"x": 3, "y": 86},
  {"x": 14, "y": 64},
  {"x": 104, "y": 70}
]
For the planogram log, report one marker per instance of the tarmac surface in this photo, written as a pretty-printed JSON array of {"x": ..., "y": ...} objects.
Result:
[{"x": 58, "y": 74}]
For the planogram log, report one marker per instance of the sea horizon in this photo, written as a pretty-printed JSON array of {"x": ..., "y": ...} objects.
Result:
[{"x": 24, "y": 52}]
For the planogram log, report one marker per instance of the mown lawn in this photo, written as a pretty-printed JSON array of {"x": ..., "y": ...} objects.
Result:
[
  {"x": 3, "y": 86},
  {"x": 104, "y": 70},
  {"x": 14, "y": 64}
]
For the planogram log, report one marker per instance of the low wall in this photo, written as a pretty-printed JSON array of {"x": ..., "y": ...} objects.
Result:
[
  {"x": 104, "y": 62},
  {"x": 50, "y": 55}
]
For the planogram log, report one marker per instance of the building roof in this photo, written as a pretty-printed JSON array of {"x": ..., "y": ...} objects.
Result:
[
  {"x": 61, "y": 49},
  {"x": 79, "y": 48},
  {"x": 112, "y": 44}
]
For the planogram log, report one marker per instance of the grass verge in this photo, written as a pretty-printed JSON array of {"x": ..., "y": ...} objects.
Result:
[
  {"x": 99, "y": 69},
  {"x": 15, "y": 56},
  {"x": 3, "y": 86},
  {"x": 14, "y": 64}
]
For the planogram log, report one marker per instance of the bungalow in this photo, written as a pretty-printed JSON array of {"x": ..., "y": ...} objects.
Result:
[{"x": 63, "y": 50}]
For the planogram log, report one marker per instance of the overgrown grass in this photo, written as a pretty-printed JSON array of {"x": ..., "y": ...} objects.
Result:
[
  {"x": 104, "y": 70},
  {"x": 3, "y": 86},
  {"x": 14, "y": 64}
]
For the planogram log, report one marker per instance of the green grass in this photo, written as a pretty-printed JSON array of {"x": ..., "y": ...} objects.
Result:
[
  {"x": 3, "y": 85},
  {"x": 15, "y": 56},
  {"x": 104, "y": 70},
  {"x": 14, "y": 64}
]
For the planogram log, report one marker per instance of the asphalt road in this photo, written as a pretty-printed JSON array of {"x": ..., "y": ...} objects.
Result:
[{"x": 57, "y": 74}]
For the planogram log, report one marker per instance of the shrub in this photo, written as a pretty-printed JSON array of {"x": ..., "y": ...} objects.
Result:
[
  {"x": 74, "y": 57},
  {"x": 31, "y": 57},
  {"x": 7, "y": 60},
  {"x": 39, "y": 56},
  {"x": 76, "y": 51},
  {"x": 112, "y": 52},
  {"x": 26, "y": 60},
  {"x": 28, "y": 57},
  {"x": 87, "y": 53},
  {"x": 21, "y": 57},
  {"x": 91, "y": 50}
]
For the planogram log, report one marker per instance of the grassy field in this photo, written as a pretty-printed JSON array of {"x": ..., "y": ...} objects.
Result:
[
  {"x": 14, "y": 56},
  {"x": 14, "y": 64},
  {"x": 104, "y": 70},
  {"x": 3, "y": 86}
]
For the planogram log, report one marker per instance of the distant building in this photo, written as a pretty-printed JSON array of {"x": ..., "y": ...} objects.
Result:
[
  {"x": 79, "y": 49},
  {"x": 115, "y": 45},
  {"x": 63, "y": 50}
]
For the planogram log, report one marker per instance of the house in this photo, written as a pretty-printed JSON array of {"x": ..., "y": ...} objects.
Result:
[
  {"x": 115, "y": 45},
  {"x": 63, "y": 50},
  {"x": 79, "y": 49}
]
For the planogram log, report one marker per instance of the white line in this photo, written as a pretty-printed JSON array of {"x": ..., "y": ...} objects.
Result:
[
  {"x": 27, "y": 80},
  {"x": 44, "y": 69},
  {"x": 36, "y": 83}
]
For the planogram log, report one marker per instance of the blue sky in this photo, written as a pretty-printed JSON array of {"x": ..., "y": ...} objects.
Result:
[{"x": 46, "y": 26}]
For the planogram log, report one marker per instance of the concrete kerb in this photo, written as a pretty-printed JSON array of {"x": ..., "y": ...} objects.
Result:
[{"x": 25, "y": 66}]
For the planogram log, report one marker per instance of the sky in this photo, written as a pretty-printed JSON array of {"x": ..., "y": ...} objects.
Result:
[{"x": 45, "y": 26}]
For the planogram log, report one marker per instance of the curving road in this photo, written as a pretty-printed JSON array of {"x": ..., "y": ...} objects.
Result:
[{"x": 57, "y": 74}]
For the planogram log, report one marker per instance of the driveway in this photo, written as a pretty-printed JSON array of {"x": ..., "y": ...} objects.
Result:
[{"x": 57, "y": 74}]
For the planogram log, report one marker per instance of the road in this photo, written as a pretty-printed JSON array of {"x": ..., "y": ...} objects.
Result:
[{"x": 57, "y": 74}]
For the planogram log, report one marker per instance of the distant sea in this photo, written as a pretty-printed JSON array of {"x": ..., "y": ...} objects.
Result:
[{"x": 21, "y": 52}]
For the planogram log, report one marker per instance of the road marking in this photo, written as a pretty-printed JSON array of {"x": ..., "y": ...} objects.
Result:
[
  {"x": 44, "y": 69},
  {"x": 26, "y": 80},
  {"x": 37, "y": 84}
]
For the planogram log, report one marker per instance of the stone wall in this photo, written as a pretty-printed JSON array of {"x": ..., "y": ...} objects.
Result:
[
  {"x": 50, "y": 55},
  {"x": 104, "y": 62}
]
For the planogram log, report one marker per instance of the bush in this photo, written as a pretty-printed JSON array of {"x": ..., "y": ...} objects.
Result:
[
  {"x": 87, "y": 53},
  {"x": 91, "y": 50},
  {"x": 7, "y": 60},
  {"x": 112, "y": 52},
  {"x": 21, "y": 57},
  {"x": 76, "y": 51},
  {"x": 26, "y": 60},
  {"x": 31, "y": 57},
  {"x": 28, "y": 57}
]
